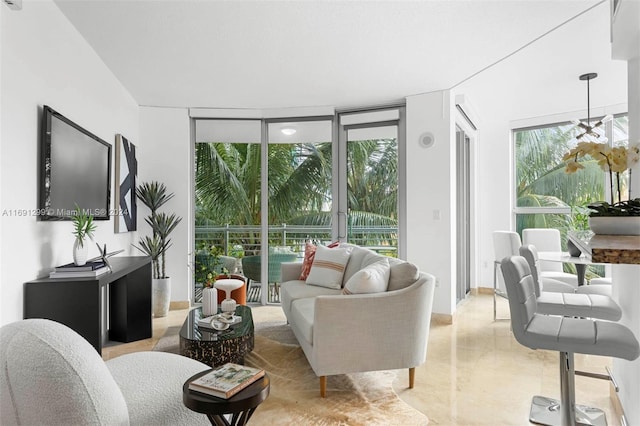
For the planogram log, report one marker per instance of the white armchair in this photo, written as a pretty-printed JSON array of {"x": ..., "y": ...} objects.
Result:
[{"x": 52, "y": 375}]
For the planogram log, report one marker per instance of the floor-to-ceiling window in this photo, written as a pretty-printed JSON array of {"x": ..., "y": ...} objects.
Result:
[
  {"x": 545, "y": 195},
  {"x": 371, "y": 172},
  {"x": 299, "y": 166},
  {"x": 227, "y": 196},
  {"x": 263, "y": 187}
]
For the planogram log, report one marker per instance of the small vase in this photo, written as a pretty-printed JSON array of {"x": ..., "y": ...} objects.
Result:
[
  {"x": 209, "y": 301},
  {"x": 573, "y": 250},
  {"x": 80, "y": 253},
  {"x": 615, "y": 225}
]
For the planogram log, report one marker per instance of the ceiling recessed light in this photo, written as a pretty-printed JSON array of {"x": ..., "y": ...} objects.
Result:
[{"x": 288, "y": 131}]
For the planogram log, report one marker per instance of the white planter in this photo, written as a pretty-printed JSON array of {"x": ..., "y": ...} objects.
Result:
[
  {"x": 80, "y": 252},
  {"x": 209, "y": 301},
  {"x": 160, "y": 296},
  {"x": 615, "y": 225}
]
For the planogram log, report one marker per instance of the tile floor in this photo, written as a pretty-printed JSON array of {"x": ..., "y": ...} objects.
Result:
[{"x": 475, "y": 374}]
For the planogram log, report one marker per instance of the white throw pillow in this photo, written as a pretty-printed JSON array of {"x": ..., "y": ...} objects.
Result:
[
  {"x": 328, "y": 267},
  {"x": 370, "y": 279}
]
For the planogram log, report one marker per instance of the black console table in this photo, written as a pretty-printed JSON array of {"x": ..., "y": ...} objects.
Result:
[{"x": 79, "y": 303}]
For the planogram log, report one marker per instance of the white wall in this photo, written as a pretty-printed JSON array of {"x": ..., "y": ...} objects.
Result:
[
  {"x": 165, "y": 158},
  {"x": 431, "y": 193},
  {"x": 45, "y": 61},
  {"x": 532, "y": 84}
]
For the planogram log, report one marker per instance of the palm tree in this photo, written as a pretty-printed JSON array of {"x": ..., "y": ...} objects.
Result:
[
  {"x": 541, "y": 180},
  {"x": 228, "y": 183}
]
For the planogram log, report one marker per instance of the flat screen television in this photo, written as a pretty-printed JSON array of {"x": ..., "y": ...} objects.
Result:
[{"x": 75, "y": 170}]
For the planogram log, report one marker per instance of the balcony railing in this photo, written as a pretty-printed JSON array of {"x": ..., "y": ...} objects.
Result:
[{"x": 244, "y": 240}]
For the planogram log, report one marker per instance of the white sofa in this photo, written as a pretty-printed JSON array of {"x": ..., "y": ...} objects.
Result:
[{"x": 348, "y": 333}]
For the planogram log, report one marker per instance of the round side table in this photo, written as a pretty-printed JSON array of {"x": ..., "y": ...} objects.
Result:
[{"x": 241, "y": 405}]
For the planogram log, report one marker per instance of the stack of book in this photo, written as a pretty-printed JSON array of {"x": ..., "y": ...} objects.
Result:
[
  {"x": 226, "y": 380},
  {"x": 88, "y": 270}
]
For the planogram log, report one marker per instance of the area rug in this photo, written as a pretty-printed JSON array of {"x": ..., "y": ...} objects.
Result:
[{"x": 352, "y": 399}]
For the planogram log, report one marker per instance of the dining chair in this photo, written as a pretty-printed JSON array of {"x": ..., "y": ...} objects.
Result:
[
  {"x": 252, "y": 268},
  {"x": 548, "y": 239},
  {"x": 505, "y": 244},
  {"x": 559, "y": 298}
]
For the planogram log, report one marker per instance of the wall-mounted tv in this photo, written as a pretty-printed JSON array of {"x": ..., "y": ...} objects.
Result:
[{"x": 75, "y": 170}]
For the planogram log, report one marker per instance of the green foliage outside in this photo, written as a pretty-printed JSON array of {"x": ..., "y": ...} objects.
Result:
[{"x": 227, "y": 187}]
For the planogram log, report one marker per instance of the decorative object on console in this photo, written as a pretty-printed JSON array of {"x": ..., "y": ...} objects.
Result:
[
  {"x": 83, "y": 228},
  {"x": 154, "y": 195},
  {"x": 328, "y": 267},
  {"x": 125, "y": 188},
  {"x": 104, "y": 255},
  {"x": 228, "y": 285}
]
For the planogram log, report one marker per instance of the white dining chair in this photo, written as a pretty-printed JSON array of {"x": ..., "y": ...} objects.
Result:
[
  {"x": 505, "y": 244},
  {"x": 548, "y": 239},
  {"x": 559, "y": 298}
]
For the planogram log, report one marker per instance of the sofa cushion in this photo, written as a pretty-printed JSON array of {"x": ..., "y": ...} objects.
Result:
[
  {"x": 302, "y": 312},
  {"x": 309, "y": 255},
  {"x": 370, "y": 279},
  {"x": 328, "y": 267},
  {"x": 294, "y": 290},
  {"x": 402, "y": 274}
]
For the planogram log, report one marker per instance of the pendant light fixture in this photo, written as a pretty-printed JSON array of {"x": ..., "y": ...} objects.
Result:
[{"x": 591, "y": 133}]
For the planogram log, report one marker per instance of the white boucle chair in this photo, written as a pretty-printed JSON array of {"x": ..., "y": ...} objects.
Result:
[{"x": 53, "y": 376}]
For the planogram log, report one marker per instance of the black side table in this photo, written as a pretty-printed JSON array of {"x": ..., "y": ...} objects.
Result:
[{"x": 241, "y": 405}]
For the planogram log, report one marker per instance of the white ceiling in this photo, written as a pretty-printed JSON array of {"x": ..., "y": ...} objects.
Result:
[{"x": 273, "y": 54}]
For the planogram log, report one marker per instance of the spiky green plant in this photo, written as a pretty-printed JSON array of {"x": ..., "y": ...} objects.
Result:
[
  {"x": 154, "y": 195},
  {"x": 83, "y": 225}
]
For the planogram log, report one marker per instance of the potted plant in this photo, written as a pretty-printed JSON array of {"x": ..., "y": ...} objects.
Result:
[
  {"x": 154, "y": 195},
  {"x": 83, "y": 228},
  {"x": 618, "y": 216}
]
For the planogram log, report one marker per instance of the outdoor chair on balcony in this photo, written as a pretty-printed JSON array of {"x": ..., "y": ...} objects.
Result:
[{"x": 251, "y": 268}]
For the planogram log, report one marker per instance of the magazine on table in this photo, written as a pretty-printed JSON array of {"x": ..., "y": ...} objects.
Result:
[{"x": 226, "y": 380}]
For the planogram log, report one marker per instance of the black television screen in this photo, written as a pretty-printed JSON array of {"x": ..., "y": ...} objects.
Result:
[{"x": 76, "y": 170}]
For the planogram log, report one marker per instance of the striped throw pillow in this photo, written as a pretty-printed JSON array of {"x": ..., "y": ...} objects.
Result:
[
  {"x": 309, "y": 255},
  {"x": 328, "y": 267}
]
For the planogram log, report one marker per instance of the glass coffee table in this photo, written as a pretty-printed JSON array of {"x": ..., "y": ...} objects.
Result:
[{"x": 217, "y": 347}]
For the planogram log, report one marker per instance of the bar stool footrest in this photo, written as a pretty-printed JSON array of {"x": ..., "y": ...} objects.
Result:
[{"x": 546, "y": 411}]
